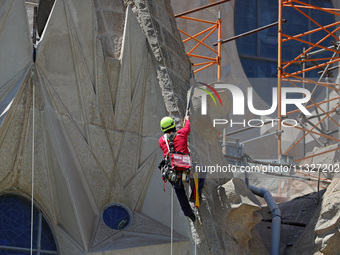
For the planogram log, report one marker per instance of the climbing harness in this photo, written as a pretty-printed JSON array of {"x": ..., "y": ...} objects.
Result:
[{"x": 176, "y": 166}]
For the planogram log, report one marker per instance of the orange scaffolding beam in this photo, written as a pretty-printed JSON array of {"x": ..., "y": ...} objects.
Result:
[
  {"x": 298, "y": 78},
  {"x": 202, "y": 62}
]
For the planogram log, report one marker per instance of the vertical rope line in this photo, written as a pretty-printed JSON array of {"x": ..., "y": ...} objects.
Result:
[
  {"x": 33, "y": 118},
  {"x": 33, "y": 138},
  {"x": 172, "y": 218},
  {"x": 196, "y": 229}
]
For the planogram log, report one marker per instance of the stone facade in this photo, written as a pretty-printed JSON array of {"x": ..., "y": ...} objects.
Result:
[{"x": 84, "y": 119}]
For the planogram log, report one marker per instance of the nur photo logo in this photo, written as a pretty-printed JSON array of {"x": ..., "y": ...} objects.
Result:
[
  {"x": 239, "y": 100},
  {"x": 204, "y": 98}
]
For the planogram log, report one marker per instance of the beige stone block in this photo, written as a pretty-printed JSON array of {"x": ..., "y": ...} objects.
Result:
[{"x": 238, "y": 210}]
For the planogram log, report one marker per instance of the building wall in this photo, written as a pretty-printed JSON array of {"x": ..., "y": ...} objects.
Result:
[
  {"x": 104, "y": 76},
  {"x": 83, "y": 121},
  {"x": 93, "y": 123}
]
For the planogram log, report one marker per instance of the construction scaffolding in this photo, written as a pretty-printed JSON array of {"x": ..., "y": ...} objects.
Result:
[
  {"x": 200, "y": 41},
  {"x": 325, "y": 111},
  {"x": 316, "y": 126}
]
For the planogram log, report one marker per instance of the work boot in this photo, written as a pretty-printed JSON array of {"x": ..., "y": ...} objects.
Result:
[{"x": 192, "y": 217}]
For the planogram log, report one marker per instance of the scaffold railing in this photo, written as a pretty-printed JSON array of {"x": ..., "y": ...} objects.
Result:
[
  {"x": 201, "y": 62},
  {"x": 317, "y": 125}
]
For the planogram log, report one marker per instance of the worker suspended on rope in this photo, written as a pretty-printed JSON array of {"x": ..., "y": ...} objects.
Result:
[{"x": 176, "y": 164}]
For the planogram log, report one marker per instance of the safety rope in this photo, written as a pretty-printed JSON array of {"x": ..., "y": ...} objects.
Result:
[
  {"x": 196, "y": 230},
  {"x": 166, "y": 141},
  {"x": 35, "y": 15},
  {"x": 195, "y": 176},
  {"x": 171, "y": 204},
  {"x": 172, "y": 220},
  {"x": 33, "y": 128}
]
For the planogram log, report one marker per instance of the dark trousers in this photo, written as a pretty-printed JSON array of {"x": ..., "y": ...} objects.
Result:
[
  {"x": 201, "y": 181},
  {"x": 182, "y": 197}
]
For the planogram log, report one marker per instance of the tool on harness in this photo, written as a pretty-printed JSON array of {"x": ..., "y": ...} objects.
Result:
[{"x": 176, "y": 165}]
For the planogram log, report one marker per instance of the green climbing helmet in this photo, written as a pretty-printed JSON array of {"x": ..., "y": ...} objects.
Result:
[{"x": 167, "y": 123}]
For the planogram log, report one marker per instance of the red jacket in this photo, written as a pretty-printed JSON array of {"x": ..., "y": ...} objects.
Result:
[{"x": 180, "y": 141}]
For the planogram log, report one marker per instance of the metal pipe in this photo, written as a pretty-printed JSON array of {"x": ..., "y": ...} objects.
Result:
[
  {"x": 310, "y": 133},
  {"x": 262, "y": 136},
  {"x": 276, "y": 217},
  {"x": 304, "y": 86},
  {"x": 286, "y": 222},
  {"x": 332, "y": 132},
  {"x": 329, "y": 70},
  {"x": 315, "y": 155},
  {"x": 312, "y": 53},
  {"x": 219, "y": 48},
  {"x": 315, "y": 88},
  {"x": 245, "y": 162},
  {"x": 201, "y": 8},
  {"x": 224, "y": 141},
  {"x": 247, "y": 128},
  {"x": 249, "y": 32},
  {"x": 327, "y": 105},
  {"x": 279, "y": 77}
]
